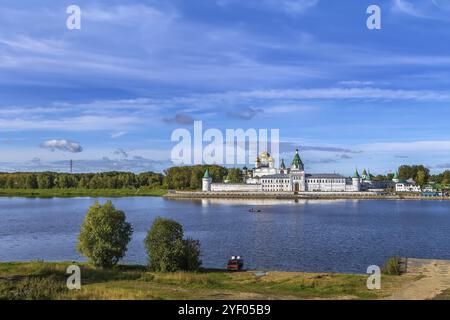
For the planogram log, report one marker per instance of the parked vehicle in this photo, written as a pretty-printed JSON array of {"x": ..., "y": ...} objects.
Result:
[{"x": 235, "y": 264}]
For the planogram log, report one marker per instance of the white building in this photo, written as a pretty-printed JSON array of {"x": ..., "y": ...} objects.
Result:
[
  {"x": 407, "y": 187},
  {"x": 266, "y": 178}
]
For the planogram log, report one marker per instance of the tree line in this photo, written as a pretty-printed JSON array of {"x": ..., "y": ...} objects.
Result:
[
  {"x": 190, "y": 177},
  {"x": 179, "y": 178},
  {"x": 184, "y": 177},
  {"x": 105, "y": 180},
  {"x": 421, "y": 175}
]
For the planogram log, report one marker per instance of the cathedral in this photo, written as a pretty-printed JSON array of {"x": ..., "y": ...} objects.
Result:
[{"x": 264, "y": 177}]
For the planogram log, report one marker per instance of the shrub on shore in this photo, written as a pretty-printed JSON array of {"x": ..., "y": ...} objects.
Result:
[
  {"x": 392, "y": 266},
  {"x": 168, "y": 251},
  {"x": 104, "y": 235}
]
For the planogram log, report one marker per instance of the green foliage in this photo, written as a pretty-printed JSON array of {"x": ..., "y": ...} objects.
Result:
[
  {"x": 167, "y": 250},
  {"x": 78, "y": 192},
  {"x": 443, "y": 178},
  {"x": 381, "y": 178},
  {"x": 190, "y": 177},
  {"x": 103, "y": 180},
  {"x": 191, "y": 254},
  {"x": 392, "y": 267},
  {"x": 419, "y": 173},
  {"x": 235, "y": 175},
  {"x": 104, "y": 235}
]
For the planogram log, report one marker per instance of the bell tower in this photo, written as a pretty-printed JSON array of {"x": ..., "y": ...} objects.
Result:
[{"x": 206, "y": 182}]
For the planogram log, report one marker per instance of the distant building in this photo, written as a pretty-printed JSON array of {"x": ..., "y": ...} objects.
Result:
[
  {"x": 264, "y": 177},
  {"x": 407, "y": 187},
  {"x": 396, "y": 179},
  {"x": 206, "y": 182}
]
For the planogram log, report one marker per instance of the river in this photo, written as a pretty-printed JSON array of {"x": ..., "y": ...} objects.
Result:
[{"x": 322, "y": 236}]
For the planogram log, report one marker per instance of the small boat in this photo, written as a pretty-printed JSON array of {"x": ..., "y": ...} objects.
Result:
[
  {"x": 254, "y": 210},
  {"x": 235, "y": 264}
]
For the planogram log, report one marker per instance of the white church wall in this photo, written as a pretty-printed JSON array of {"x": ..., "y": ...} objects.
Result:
[{"x": 229, "y": 187}]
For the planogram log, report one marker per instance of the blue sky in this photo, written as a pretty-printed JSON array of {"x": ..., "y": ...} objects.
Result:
[{"x": 110, "y": 95}]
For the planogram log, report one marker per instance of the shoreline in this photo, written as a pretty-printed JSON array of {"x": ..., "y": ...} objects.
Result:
[
  {"x": 198, "y": 195},
  {"x": 290, "y": 196},
  {"x": 47, "y": 280},
  {"x": 423, "y": 279}
]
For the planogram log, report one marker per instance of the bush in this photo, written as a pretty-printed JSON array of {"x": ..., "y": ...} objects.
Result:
[
  {"x": 104, "y": 235},
  {"x": 167, "y": 250},
  {"x": 392, "y": 267},
  {"x": 191, "y": 254}
]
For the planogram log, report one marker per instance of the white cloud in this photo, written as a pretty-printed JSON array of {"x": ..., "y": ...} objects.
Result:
[
  {"x": 336, "y": 93},
  {"x": 287, "y": 6},
  {"x": 426, "y": 9},
  {"x": 77, "y": 123},
  {"x": 119, "y": 134},
  {"x": 407, "y": 7},
  {"x": 120, "y": 152},
  {"x": 417, "y": 147},
  {"x": 62, "y": 145}
]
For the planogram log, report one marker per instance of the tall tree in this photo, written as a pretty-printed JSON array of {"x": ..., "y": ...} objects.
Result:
[{"x": 104, "y": 235}]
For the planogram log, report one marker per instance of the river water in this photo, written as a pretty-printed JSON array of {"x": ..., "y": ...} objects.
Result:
[{"x": 322, "y": 236}]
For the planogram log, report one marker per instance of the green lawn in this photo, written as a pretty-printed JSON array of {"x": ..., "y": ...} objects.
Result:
[
  {"x": 43, "y": 280},
  {"x": 67, "y": 193}
]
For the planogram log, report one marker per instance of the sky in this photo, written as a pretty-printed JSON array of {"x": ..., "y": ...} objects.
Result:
[{"x": 110, "y": 95}]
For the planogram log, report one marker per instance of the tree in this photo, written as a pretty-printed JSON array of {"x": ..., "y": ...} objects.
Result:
[
  {"x": 31, "y": 182},
  {"x": 421, "y": 178},
  {"x": 408, "y": 172},
  {"x": 190, "y": 177},
  {"x": 196, "y": 179},
  {"x": 235, "y": 175},
  {"x": 191, "y": 254},
  {"x": 167, "y": 250},
  {"x": 104, "y": 235},
  {"x": 446, "y": 177}
]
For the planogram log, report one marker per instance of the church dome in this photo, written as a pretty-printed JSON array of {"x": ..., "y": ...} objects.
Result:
[{"x": 265, "y": 158}]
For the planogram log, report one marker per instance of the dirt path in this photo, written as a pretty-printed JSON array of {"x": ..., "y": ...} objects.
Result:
[{"x": 435, "y": 278}]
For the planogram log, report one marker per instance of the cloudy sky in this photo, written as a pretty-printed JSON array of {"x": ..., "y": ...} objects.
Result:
[{"x": 110, "y": 95}]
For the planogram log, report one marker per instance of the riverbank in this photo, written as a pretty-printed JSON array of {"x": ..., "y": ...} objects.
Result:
[
  {"x": 45, "y": 280},
  {"x": 70, "y": 193},
  {"x": 298, "y": 196},
  {"x": 159, "y": 192}
]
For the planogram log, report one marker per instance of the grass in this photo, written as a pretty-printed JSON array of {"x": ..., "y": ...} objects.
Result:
[
  {"x": 44, "y": 280},
  {"x": 392, "y": 266},
  {"x": 67, "y": 193}
]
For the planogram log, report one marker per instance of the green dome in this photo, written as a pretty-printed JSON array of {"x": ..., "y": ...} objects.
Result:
[
  {"x": 206, "y": 175},
  {"x": 356, "y": 175}
]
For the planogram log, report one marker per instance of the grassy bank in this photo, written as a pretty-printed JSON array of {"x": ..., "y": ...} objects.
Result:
[
  {"x": 42, "y": 280},
  {"x": 67, "y": 193}
]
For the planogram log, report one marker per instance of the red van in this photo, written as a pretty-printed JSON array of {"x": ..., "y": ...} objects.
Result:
[{"x": 235, "y": 264}]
